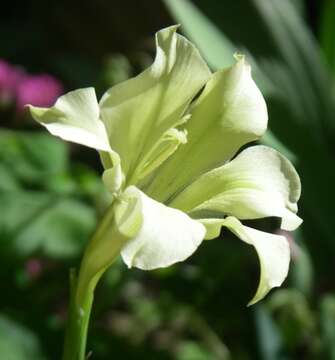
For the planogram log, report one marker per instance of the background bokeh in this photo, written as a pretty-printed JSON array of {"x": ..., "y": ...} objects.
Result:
[{"x": 51, "y": 194}]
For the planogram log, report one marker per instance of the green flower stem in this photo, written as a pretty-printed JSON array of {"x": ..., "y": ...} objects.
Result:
[
  {"x": 79, "y": 315},
  {"x": 100, "y": 253}
]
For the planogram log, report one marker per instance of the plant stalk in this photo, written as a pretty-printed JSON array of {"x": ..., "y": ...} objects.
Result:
[
  {"x": 78, "y": 320},
  {"x": 102, "y": 250}
]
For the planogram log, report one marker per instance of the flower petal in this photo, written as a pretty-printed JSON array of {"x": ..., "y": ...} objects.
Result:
[
  {"x": 139, "y": 111},
  {"x": 273, "y": 253},
  {"x": 75, "y": 117},
  {"x": 113, "y": 178},
  {"x": 229, "y": 113},
  {"x": 213, "y": 227},
  {"x": 258, "y": 183},
  {"x": 165, "y": 236},
  {"x": 162, "y": 150}
]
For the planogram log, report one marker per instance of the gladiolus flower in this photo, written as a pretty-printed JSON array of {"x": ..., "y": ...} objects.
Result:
[{"x": 170, "y": 162}]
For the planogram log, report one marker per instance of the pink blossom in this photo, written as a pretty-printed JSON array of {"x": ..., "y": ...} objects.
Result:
[
  {"x": 10, "y": 77},
  {"x": 38, "y": 90},
  {"x": 34, "y": 268}
]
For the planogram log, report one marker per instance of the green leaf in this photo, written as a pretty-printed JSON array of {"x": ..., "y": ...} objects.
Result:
[
  {"x": 8, "y": 181},
  {"x": 294, "y": 316},
  {"x": 117, "y": 69},
  {"x": 299, "y": 5},
  {"x": 57, "y": 227},
  {"x": 190, "y": 350},
  {"x": 305, "y": 72},
  {"x": 327, "y": 33},
  {"x": 32, "y": 157},
  {"x": 328, "y": 324},
  {"x": 12, "y": 204},
  {"x": 302, "y": 271},
  {"x": 18, "y": 342},
  {"x": 214, "y": 46},
  {"x": 271, "y": 140},
  {"x": 269, "y": 337}
]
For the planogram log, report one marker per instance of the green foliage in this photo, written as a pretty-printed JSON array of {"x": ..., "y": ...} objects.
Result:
[
  {"x": 57, "y": 227},
  {"x": 327, "y": 33},
  {"x": 38, "y": 216},
  {"x": 30, "y": 158},
  {"x": 17, "y": 342},
  {"x": 327, "y": 314}
]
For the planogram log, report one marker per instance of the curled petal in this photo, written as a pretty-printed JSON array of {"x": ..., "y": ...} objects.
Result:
[
  {"x": 258, "y": 183},
  {"x": 273, "y": 252},
  {"x": 75, "y": 117},
  {"x": 113, "y": 178},
  {"x": 213, "y": 227},
  {"x": 160, "y": 235},
  {"x": 139, "y": 111},
  {"x": 229, "y": 113}
]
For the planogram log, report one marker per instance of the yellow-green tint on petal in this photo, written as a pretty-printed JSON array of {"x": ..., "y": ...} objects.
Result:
[
  {"x": 161, "y": 151},
  {"x": 113, "y": 178},
  {"x": 166, "y": 235},
  {"x": 128, "y": 213},
  {"x": 258, "y": 183},
  {"x": 213, "y": 227},
  {"x": 138, "y": 112},
  {"x": 273, "y": 252},
  {"x": 230, "y": 112},
  {"x": 75, "y": 117}
]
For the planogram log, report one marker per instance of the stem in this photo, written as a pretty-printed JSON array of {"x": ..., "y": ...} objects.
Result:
[
  {"x": 87, "y": 307},
  {"x": 100, "y": 253},
  {"x": 78, "y": 321}
]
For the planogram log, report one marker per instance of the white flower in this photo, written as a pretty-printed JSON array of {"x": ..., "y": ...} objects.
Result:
[{"x": 170, "y": 163}]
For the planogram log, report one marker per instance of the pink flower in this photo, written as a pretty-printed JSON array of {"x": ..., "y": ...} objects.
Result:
[
  {"x": 10, "y": 77},
  {"x": 38, "y": 90},
  {"x": 34, "y": 268}
]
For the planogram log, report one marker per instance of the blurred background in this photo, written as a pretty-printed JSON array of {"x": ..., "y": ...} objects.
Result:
[{"x": 51, "y": 194}]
